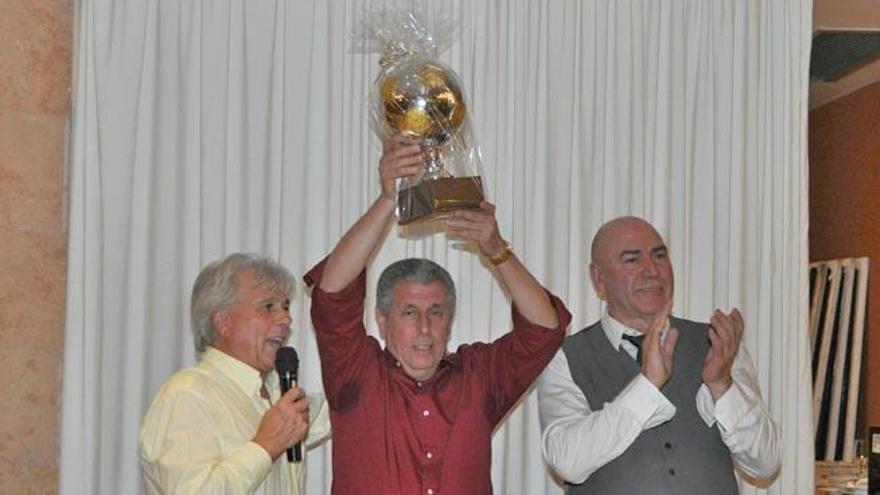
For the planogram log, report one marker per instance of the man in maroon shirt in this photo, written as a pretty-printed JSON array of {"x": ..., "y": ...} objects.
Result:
[{"x": 414, "y": 418}]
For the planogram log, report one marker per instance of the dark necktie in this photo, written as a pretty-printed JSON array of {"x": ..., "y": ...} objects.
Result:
[{"x": 636, "y": 340}]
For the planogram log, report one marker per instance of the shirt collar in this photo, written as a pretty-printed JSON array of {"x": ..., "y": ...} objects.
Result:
[
  {"x": 615, "y": 330},
  {"x": 451, "y": 359},
  {"x": 243, "y": 375}
]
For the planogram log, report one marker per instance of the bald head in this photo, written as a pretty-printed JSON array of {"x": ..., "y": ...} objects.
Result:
[{"x": 611, "y": 231}]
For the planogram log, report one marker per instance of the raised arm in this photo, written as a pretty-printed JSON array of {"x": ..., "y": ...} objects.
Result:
[
  {"x": 529, "y": 296},
  {"x": 400, "y": 158}
]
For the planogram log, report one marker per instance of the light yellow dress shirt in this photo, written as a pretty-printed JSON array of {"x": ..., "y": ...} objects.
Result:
[{"x": 196, "y": 435}]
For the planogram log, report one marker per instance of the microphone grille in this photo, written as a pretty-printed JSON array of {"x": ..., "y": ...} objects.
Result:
[{"x": 286, "y": 360}]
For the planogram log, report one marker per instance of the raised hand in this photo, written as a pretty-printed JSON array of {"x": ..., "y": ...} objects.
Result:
[
  {"x": 285, "y": 423},
  {"x": 657, "y": 352},
  {"x": 401, "y": 157},
  {"x": 725, "y": 336},
  {"x": 478, "y": 226}
]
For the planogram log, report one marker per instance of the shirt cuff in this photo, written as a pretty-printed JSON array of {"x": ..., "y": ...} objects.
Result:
[
  {"x": 731, "y": 407},
  {"x": 333, "y": 310},
  {"x": 646, "y": 403},
  {"x": 357, "y": 289},
  {"x": 254, "y": 460}
]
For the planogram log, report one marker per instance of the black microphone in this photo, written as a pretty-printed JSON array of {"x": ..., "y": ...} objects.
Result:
[{"x": 286, "y": 364}]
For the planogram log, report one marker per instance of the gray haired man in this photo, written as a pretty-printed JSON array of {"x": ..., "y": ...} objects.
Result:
[
  {"x": 413, "y": 417},
  {"x": 221, "y": 425}
]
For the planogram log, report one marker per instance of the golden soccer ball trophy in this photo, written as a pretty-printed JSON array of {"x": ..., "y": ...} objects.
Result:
[{"x": 422, "y": 98}]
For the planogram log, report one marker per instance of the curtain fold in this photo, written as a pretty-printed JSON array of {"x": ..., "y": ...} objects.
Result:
[{"x": 205, "y": 127}]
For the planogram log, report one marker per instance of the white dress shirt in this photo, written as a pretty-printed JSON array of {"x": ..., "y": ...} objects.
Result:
[{"x": 577, "y": 441}]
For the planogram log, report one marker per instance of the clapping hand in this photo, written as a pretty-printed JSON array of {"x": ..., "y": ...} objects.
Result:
[
  {"x": 657, "y": 352},
  {"x": 725, "y": 336}
]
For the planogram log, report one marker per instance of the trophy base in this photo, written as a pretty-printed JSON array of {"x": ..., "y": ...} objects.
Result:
[{"x": 436, "y": 196}]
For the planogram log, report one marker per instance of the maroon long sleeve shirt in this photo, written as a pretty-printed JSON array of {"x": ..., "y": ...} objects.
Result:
[{"x": 395, "y": 435}]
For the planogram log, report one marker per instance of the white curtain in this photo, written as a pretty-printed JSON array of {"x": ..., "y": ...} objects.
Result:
[{"x": 206, "y": 127}]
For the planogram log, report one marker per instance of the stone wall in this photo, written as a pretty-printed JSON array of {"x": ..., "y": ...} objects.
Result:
[{"x": 35, "y": 68}]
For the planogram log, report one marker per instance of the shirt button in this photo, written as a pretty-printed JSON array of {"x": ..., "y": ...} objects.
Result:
[
  {"x": 672, "y": 471},
  {"x": 426, "y": 413},
  {"x": 430, "y": 455},
  {"x": 430, "y": 492},
  {"x": 667, "y": 445},
  {"x": 418, "y": 384}
]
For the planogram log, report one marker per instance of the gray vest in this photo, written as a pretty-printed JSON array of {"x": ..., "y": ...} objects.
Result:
[{"x": 680, "y": 457}]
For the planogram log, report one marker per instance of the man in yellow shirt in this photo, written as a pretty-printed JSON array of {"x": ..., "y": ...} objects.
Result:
[{"x": 221, "y": 425}]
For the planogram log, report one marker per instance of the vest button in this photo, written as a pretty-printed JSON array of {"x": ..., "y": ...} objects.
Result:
[
  {"x": 671, "y": 471},
  {"x": 667, "y": 445}
]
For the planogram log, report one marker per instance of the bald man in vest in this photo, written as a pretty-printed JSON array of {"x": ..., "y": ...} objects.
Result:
[{"x": 643, "y": 402}]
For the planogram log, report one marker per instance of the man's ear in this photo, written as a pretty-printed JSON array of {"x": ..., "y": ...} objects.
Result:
[
  {"x": 381, "y": 320},
  {"x": 221, "y": 323},
  {"x": 598, "y": 279}
]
